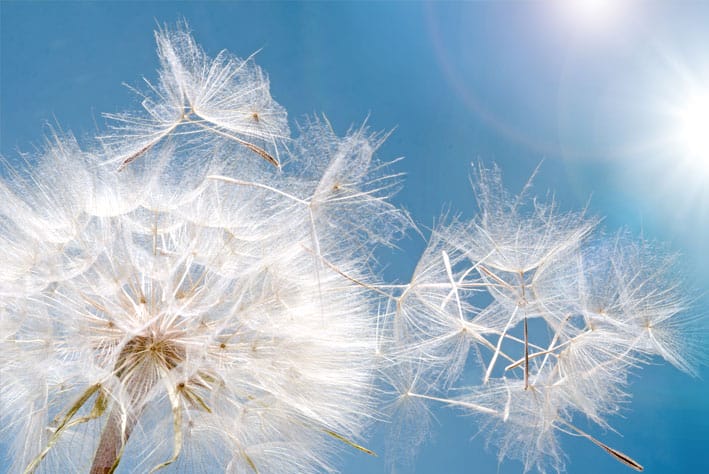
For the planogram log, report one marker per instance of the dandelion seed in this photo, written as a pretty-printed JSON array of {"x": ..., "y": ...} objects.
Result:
[
  {"x": 176, "y": 318},
  {"x": 198, "y": 100},
  {"x": 207, "y": 311},
  {"x": 571, "y": 311}
]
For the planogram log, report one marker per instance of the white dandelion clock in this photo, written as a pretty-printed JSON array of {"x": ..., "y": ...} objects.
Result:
[
  {"x": 196, "y": 291},
  {"x": 555, "y": 315},
  {"x": 159, "y": 318}
]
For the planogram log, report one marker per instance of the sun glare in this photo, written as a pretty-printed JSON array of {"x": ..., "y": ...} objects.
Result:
[
  {"x": 593, "y": 13},
  {"x": 594, "y": 8},
  {"x": 693, "y": 127}
]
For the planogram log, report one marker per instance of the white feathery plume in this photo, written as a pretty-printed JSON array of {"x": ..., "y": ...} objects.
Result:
[
  {"x": 556, "y": 314},
  {"x": 200, "y": 99},
  {"x": 210, "y": 305},
  {"x": 191, "y": 315}
]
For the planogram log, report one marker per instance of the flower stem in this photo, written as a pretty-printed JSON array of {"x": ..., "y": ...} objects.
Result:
[{"x": 113, "y": 439}]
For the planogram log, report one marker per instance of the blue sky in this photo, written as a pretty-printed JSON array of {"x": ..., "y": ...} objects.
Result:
[{"x": 597, "y": 96}]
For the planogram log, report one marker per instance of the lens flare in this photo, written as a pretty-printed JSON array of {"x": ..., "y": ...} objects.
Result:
[
  {"x": 693, "y": 127},
  {"x": 594, "y": 8},
  {"x": 593, "y": 13}
]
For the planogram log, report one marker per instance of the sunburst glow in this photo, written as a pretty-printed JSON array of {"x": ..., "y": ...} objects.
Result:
[
  {"x": 592, "y": 13},
  {"x": 693, "y": 127}
]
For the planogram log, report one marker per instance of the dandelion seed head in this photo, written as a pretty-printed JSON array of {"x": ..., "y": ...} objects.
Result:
[
  {"x": 173, "y": 321},
  {"x": 528, "y": 319}
]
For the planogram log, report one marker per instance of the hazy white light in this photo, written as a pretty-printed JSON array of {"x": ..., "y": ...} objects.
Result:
[
  {"x": 694, "y": 126},
  {"x": 593, "y": 8},
  {"x": 593, "y": 12}
]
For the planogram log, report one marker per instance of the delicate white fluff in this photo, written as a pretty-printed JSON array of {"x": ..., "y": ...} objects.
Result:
[
  {"x": 190, "y": 314},
  {"x": 223, "y": 101},
  {"x": 554, "y": 314},
  {"x": 194, "y": 293}
]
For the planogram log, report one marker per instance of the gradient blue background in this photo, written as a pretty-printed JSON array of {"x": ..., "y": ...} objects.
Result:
[{"x": 510, "y": 82}]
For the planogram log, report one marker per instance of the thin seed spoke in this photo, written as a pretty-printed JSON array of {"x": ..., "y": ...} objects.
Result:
[
  {"x": 618, "y": 455},
  {"x": 65, "y": 423}
]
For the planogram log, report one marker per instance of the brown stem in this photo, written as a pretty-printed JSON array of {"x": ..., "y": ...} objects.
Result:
[
  {"x": 113, "y": 439},
  {"x": 133, "y": 370}
]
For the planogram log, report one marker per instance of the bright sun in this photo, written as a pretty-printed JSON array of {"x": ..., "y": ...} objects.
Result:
[
  {"x": 693, "y": 126},
  {"x": 595, "y": 14}
]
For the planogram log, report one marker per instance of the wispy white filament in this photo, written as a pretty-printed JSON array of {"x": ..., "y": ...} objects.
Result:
[
  {"x": 193, "y": 292},
  {"x": 188, "y": 311},
  {"x": 556, "y": 313}
]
